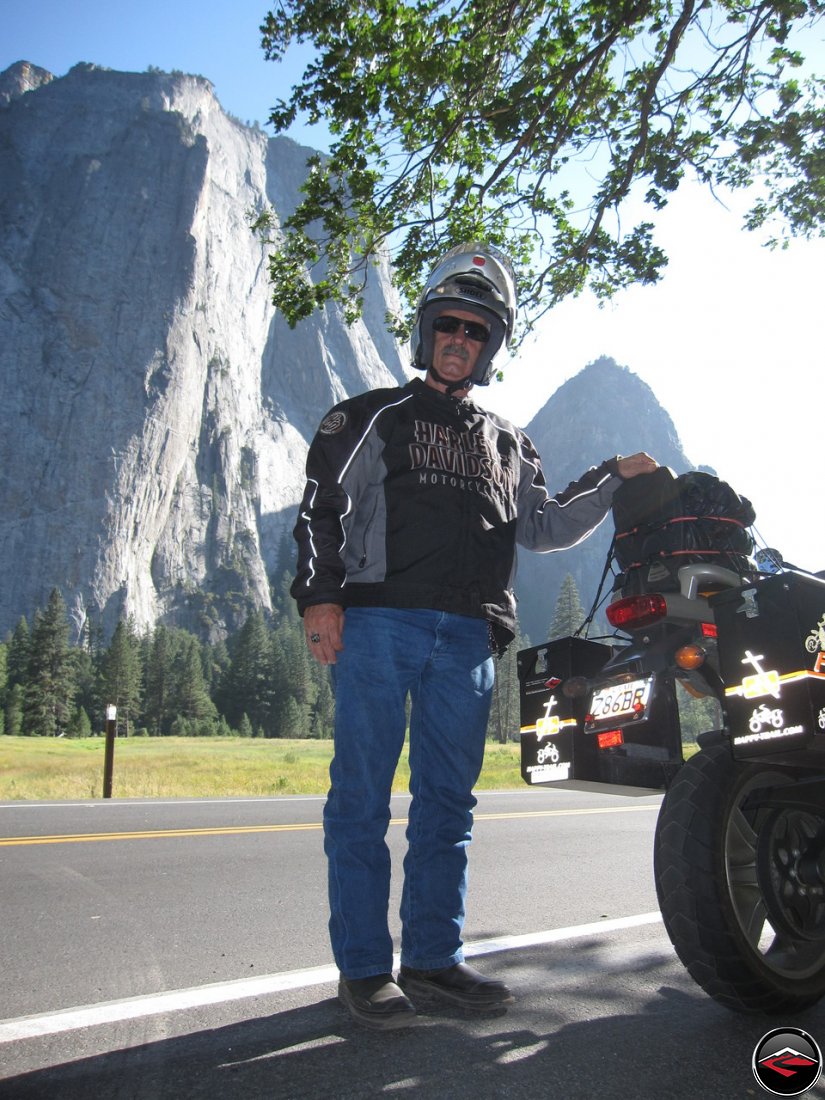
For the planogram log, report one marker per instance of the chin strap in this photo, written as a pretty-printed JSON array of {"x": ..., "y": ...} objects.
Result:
[{"x": 451, "y": 387}]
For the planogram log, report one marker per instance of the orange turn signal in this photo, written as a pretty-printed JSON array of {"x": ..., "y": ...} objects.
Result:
[{"x": 690, "y": 657}]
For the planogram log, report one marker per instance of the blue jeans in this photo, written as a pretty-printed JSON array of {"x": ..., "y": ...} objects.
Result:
[{"x": 442, "y": 661}]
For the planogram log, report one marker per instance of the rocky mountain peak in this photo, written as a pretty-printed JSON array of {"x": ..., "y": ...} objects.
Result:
[
  {"x": 19, "y": 78},
  {"x": 602, "y": 411}
]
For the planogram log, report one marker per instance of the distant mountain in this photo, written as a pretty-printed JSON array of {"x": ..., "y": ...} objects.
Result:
[{"x": 603, "y": 411}]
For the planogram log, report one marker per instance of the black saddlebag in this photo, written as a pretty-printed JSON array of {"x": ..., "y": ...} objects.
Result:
[
  {"x": 772, "y": 660},
  {"x": 555, "y": 749}
]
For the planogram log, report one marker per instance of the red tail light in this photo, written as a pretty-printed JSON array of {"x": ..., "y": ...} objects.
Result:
[{"x": 636, "y": 611}]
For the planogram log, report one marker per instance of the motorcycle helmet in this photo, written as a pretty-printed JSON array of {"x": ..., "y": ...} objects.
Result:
[{"x": 473, "y": 277}]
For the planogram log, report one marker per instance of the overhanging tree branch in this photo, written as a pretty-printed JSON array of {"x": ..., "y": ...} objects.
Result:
[{"x": 487, "y": 118}]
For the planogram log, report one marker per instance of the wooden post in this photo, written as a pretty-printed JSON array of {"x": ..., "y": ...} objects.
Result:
[{"x": 109, "y": 759}]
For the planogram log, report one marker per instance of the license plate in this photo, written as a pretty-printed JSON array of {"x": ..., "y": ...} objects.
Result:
[{"x": 619, "y": 703}]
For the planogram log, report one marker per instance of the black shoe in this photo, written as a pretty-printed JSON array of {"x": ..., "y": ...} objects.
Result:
[
  {"x": 376, "y": 1002},
  {"x": 459, "y": 984}
]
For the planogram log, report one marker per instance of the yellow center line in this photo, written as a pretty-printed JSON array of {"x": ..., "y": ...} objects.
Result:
[
  {"x": 233, "y": 830},
  {"x": 153, "y": 834}
]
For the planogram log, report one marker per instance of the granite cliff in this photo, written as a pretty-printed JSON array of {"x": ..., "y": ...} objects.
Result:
[{"x": 156, "y": 410}]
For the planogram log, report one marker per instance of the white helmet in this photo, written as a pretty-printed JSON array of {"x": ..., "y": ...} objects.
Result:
[{"x": 470, "y": 276}]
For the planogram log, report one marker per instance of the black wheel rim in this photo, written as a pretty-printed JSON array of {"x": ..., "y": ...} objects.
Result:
[
  {"x": 794, "y": 887},
  {"x": 783, "y": 925}
]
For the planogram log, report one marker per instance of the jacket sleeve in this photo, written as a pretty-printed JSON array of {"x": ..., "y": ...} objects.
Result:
[
  {"x": 319, "y": 530},
  {"x": 557, "y": 522}
]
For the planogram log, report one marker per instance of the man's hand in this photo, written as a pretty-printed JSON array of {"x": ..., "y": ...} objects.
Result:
[
  {"x": 323, "y": 626},
  {"x": 640, "y": 463}
]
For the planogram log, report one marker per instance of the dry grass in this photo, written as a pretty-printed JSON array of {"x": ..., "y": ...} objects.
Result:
[{"x": 33, "y": 768}]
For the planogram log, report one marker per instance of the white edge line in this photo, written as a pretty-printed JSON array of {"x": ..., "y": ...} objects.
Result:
[
  {"x": 152, "y": 1004},
  {"x": 536, "y": 939}
]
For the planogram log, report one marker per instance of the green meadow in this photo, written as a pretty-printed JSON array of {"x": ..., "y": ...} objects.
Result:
[{"x": 45, "y": 768}]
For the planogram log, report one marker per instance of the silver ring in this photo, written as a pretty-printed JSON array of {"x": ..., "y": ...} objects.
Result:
[{"x": 315, "y": 638}]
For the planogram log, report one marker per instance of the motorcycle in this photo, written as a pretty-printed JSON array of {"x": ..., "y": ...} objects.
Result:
[{"x": 739, "y": 845}]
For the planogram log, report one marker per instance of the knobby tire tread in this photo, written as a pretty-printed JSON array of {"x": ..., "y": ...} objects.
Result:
[{"x": 689, "y": 869}]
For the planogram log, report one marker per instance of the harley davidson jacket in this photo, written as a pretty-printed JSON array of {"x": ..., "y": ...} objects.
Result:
[{"x": 418, "y": 499}]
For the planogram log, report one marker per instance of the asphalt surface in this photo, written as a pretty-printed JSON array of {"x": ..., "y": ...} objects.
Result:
[{"x": 604, "y": 1008}]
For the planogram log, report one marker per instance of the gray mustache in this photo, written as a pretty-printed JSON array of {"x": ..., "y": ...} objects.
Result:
[{"x": 456, "y": 349}]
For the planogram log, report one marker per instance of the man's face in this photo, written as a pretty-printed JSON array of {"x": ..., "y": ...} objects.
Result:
[{"x": 455, "y": 353}]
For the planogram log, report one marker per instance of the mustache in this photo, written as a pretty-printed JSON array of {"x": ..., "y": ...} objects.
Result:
[{"x": 456, "y": 349}]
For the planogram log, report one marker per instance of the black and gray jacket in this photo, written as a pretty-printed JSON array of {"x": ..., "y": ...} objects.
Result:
[{"x": 418, "y": 499}]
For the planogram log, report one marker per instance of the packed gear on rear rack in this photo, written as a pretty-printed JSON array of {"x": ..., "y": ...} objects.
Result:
[{"x": 673, "y": 521}]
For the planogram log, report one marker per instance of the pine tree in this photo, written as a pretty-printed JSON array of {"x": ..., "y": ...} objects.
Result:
[
  {"x": 295, "y": 680},
  {"x": 247, "y": 686},
  {"x": 121, "y": 676},
  {"x": 222, "y": 728},
  {"x": 50, "y": 680},
  {"x": 216, "y": 663},
  {"x": 158, "y": 699},
  {"x": 293, "y": 719},
  {"x": 4, "y": 672},
  {"x": 191, "y": 696},
  {"x": 14, "y": 711},
  {"x": 569, "y": 614},
  {"x": 87, "y": 678},
  {"x": 92, "y": 639},
  {"x": 18, "y": 654},
  {"x": 322, "y": 719},
  {"x": 79, "y": 724},
  {"x": 505, "y": 710}
]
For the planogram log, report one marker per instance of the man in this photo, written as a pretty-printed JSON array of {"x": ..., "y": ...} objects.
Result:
[{"x": 415, "y": 501}]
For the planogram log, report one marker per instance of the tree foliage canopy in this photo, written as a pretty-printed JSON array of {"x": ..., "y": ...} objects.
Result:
[{"x": 528, "y": 124}]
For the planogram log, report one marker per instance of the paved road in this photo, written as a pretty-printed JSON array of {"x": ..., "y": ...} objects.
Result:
[{"x": 154, "y": 950}]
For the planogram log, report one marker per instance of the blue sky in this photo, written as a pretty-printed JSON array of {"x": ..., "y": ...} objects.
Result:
[
  {"x": 730, "y": 341},
  {"x": 220, "y": 41}
]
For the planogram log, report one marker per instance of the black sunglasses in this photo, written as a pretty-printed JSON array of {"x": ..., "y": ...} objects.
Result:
[{"x": 473, "y": 330}]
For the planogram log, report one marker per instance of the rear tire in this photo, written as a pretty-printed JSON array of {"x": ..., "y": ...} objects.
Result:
[{"x": 748, "y": 929}]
